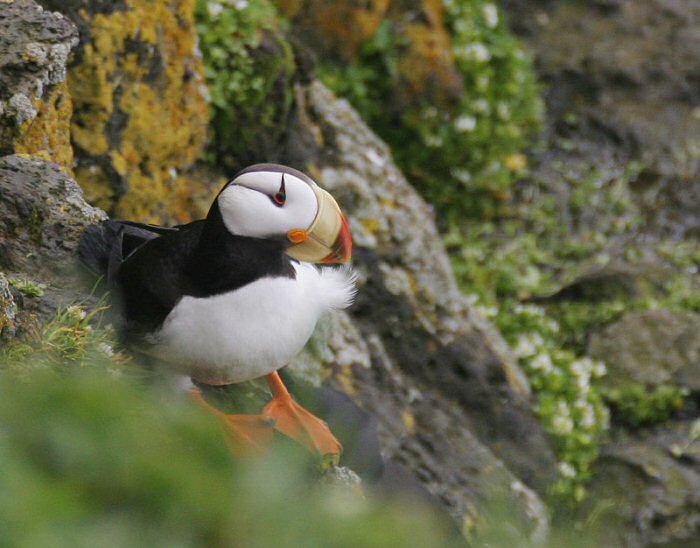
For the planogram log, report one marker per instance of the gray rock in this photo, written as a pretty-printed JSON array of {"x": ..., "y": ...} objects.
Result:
[
  {"x": 448, "y": 394},
  {"x": 643, "y": 495},
  {"x": 42, "y": 215},
  {"x": 629, "y": 71},
  {"x": 34, "y": 48},
  {"x": 652, "y": 348}
]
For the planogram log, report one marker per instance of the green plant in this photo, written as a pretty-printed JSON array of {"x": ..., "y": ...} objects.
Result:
[
  {"x": 75, "y": 337},
  {"x": 247, "y": 65},
  {"x": 464, "y": 159},
  {"x": 636, "y": 405},
  {"x": 28, "y": 287}
]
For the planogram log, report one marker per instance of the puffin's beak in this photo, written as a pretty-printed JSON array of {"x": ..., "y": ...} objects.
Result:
[
  {"x": 341, "y": 251},
  {"x": 328, "y": 239}
]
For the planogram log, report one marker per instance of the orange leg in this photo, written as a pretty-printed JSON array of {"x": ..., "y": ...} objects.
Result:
[
  {"x": 247, "y": 434},
  {"x": 294, "y": 421}
]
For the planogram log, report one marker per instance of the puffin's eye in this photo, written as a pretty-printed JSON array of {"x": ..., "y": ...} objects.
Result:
[{"x": 281, "y": 195}]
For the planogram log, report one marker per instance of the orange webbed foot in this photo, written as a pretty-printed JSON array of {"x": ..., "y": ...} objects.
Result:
[
  {"x": 292, "y": 420},
  {"x": 246, "y": 434}
]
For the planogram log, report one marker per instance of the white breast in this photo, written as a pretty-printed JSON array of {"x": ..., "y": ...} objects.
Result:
[{"x": 254, "y": 330}]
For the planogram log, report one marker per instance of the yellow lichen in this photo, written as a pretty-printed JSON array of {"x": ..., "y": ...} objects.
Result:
[
  {"x": 140, "y": 109},
  {"x": 47, "y": 135},
  {"x": 409, "y": 421}
]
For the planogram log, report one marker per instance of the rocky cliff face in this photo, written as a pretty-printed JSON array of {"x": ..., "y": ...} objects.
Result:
[
  {"x": 449, "y": 398},
  {"x": 419, "y": 355},
  {"x": 622, "y": 91},
  {"x": 451, "y": 403}
]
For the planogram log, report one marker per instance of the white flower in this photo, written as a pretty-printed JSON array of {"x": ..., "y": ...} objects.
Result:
[
  {"x": 503, "y": 111},
  {"x": 482, "y": 105},
  {"x": 599, "y": 369},
  {"x": 588, "y": 417},
  {"x": 433, "y": 141},
  {"x": 214, "y": 8},
  {"x": 524, "y": 348},
  {"x": 240, "y": 4},
  {"x": 465, "y": 123},
  {"x": 563, "y": 409},
  {"x": 529, "y": 309},
  {"x": 106, "y": 349},
  {"x": 542, "y": 361},
  {"x": 566, "y": 470},
  {"x": 462, "y": 175},
  {"x": 487, "y": 311},
  {"x": 562, "y": 425},
  {"x": 490, "y": 14},
  {"x": 473, "y": 52}
]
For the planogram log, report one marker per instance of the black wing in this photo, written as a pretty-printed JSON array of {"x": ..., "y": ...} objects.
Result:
[{"x": 143, "y": 264}]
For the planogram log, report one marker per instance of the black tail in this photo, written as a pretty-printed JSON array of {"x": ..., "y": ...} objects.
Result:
[{"x": 104, "y": 247}]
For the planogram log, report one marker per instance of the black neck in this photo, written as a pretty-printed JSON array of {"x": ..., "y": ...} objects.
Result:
[{"x": 223, "y": 261}]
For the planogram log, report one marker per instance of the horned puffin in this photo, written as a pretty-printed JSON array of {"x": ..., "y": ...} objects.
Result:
[{"x": 236, "y": 295}]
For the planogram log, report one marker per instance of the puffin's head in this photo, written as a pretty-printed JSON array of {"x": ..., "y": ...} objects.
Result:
[{"x": 274, "y": 201}]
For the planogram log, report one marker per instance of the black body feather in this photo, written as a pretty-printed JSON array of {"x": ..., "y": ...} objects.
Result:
[{"x": 150, "y": 268}]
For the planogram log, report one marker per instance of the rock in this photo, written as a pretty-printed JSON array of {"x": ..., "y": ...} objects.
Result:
[
  {"x": 448, "y": 394},
  {"x": 653, "y": 347},
  {"x": 643, "y": 494},
  {"x": 140, "y": 113},
  {"x": 35, "y": 107},
  {"x": 627, "y": 70},
  {"x": 42, "y": 215}
]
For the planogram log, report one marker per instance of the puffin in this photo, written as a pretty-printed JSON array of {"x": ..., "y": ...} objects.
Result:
[{"x": 234, "y": 296}]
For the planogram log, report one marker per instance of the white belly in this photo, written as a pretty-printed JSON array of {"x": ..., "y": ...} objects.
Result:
[{"x": 254, "y": 330}]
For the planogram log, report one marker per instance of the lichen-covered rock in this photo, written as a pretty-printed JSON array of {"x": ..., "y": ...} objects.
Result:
[
  {"x": 654, "y": 347},
  {"x": 140, "y": 120},
  {"x": 335, "y": 28},
  {"x": 438, "y": 377},
  {"x": 642, "y": 494},
  {"x": 42, "y": 215},
  {"x": 35, "y": 107}
]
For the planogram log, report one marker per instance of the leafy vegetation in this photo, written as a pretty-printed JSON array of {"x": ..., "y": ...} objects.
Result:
[
  {"x": 637, "y": 405},
  {"x": 250, "y": 96},
  {"x": 93, "y": 455},
  {"x": 471, "y": 150}
]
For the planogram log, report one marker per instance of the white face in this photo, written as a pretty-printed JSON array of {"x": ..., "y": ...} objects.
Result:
[{"x": 257, "y": 204}]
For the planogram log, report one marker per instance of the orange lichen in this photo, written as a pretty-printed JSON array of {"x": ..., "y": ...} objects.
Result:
[
  {"x": 427, "y": 65},
  {"x": 47, "y": 135},
  {"x": 339, "y": 27}
]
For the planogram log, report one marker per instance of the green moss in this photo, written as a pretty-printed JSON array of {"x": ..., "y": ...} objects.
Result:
[
  {"x": 249, "y": 68},
  {"x": 28, "y": 287},
  {"x": 636, "y": 405}
]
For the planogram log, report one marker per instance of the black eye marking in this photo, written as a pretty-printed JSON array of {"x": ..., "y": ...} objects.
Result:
[{"x": 281, "y": 195}]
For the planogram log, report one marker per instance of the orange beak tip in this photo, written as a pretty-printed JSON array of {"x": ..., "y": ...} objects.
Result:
[{"x": 341, "y": 251}]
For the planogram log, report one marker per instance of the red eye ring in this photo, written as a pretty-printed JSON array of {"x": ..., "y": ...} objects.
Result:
[{"x": 279, "y": 198}]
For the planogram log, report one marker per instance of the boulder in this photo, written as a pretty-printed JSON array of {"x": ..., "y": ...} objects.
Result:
[
  {"x": 140, "y": 112},
  {"x": 35, "y": 107},
  {"x": 652, "y": 348},
  {"x": 646, "y": 489},
  {"x": 450, "y": 399},
  {"x": 42, "y": 216},
  {"x": 627, "y": 71}
]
